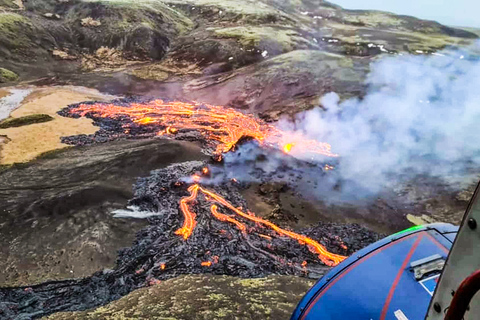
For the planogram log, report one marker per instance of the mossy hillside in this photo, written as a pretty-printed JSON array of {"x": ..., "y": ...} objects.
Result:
[
  {"x": 9, "y": 4},
  {"x": 141, "y": 29},
  {"x": 16, "y": 34},
  {"x": 390, "y": 21},
  {"x": 285, "y": 84},
  {"x": 205, "y": 297},
  {"x": 7, "y": 75},
  {"x": 265, "y": 38},
  {"x": 233, "y": 11},
  {"x": 339, "y": 67},
  {"x": 150, "y": 12},
  {"x": 471, "y": 30},
  {"x": 393, "y": 40}
]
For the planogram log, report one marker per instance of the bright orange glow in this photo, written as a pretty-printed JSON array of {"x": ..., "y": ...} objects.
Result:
[
  {"x": 265, "y": 236},
  {"x": 304, "y": 264},
  {"x": 225, "y": 218},
  {"x": 170, "y": 130},
  {"x": 205, "y": 170},
  {"x": 145, "y": 120},
  {"x": 189, "y": 223},
  {"x": 326, "y": 257},
  {"x": 216, "y": 123},
  {"x": 206, "y": 263},
  {"x": 328, "y": 167},
  {"x": 162, "y": 266},
  {"x": 287, "y": 147}
]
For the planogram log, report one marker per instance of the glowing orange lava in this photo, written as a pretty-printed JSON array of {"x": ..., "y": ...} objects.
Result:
[
  {"x": 189, "y": 223},
  {"x": 225, "y": 218},
  {"x": 288, "y": 147},
  {"x": 223, "y": 125}
]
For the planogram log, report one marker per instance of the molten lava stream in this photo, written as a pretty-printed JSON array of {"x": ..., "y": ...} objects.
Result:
[
  {"x": 186, "y": 230},
  {"x": 216, "y": 123},
  {"x": 189, "y": 222},
  {"x": 224, "y": 217}
]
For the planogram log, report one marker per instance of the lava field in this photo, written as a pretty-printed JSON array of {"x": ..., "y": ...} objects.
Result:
[{"x": 198, "y": 220}]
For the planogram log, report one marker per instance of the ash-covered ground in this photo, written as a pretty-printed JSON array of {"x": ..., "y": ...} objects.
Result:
[{"x": 216, "y": 247}]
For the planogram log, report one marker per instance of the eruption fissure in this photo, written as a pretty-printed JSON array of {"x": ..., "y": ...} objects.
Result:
[{"x": 189, "y": 223}]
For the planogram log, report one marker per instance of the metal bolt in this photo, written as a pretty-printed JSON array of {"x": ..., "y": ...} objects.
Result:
[
  {"x": 472, "y": 223},
  {"x": 437, "y": 307}
]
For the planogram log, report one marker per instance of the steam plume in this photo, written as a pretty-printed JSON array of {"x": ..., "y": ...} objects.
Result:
[{"x": 421, "y": 115}]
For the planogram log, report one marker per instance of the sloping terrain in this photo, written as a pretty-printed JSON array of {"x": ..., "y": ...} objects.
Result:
[
  {"x": 268, "y": 58},
  {"x": 197, "y": 40}
]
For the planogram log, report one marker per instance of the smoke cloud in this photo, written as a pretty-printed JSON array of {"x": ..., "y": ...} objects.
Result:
[{"x": 420, "y": 116}]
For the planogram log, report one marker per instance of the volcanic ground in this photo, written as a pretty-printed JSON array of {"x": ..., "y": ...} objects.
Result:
[{"x": 198, "y": 220}]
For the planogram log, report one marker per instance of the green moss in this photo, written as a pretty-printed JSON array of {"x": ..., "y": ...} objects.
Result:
[
  {"x": 204, "y": 297},
  {"x": 373, "y": 19},
  {"x": 7, "y": 75},
  {"x": 12, "y": 22},
  {"x": 233, "y": 10},
  {"x": 472, "y": 30},
  {"x": 251, "y": 36},
  {"x": 24, "y": 121},
  {"x": 133, "y": 12},
  {"x": 8, "y": 4},
  {"x": 15, "y": 31}
]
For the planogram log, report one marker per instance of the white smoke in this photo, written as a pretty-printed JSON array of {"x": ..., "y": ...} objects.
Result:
[{"x": 421, "y": 115}]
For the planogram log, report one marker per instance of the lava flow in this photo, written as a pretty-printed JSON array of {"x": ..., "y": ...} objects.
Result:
[
  {"x": 225, "y": 126},
  {"x": 189, "y": 223}
]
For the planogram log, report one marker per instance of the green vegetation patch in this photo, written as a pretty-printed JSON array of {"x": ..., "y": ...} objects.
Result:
[
  {"x": 233, "y": 10},
  {"x": 15, "y": 31},
  {"x": 252, "y": 36},
  {"x": 140, "y": 11},
  {"x": 8, "y": 4},
  {"x": 204, "y": 297},
  {"x": 7, "y": 75},
  {"x": 24, "y": 121}
]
